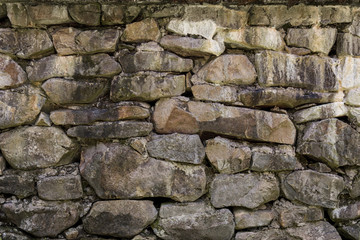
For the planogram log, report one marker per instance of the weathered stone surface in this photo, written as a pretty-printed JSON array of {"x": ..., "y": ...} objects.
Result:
[
  {"x": 37, "y": 147},
  {"x": 354, "y": 115},
  {"x": 119, "y": 218},
  {"x": 155, "y": 61},
  {"x": 355, "y": 188},
  {"x": 330, "y": 110},
  {"x": 214, "y": 93},
  {"x": 322, "y": 190},
  {"x": 42, "y": 218},
  {"x": 143, "y": 31},
  {"x": 11, "y": 74},
  {"x": 350, "y": 73},
  {"x": 274, "y": 159},
  {"x": 287, "y": 70},
  {"x": 18, "y": 183},
  {"x": 252, "y": 218},
  {"x": 228, "y": 69},
  {"x": 113, "y": 14},
  {"x": 149, "y": 47},
  {"x": 8, "y": 233},
  {"x": 127, "y": 174},
  {"x": 147, "y": 86},
  {"x": 319, "y": 167},
  {"x": 252, "y": 38},
  {"x": 177, "y": 147},
  {"x": 228, "y": 156},
  {"x": 285, "y": 98},
  {"x": 20, "y": 105},
  {"x": 2, "y": 164},
  {"x": 86, "y": 14},
  {"x": 347, "y": 44},
  {"x": 316, "y": 39},
  {"x": 350, "y": 231},
  {"x": 68, "y": 41},
  {"x": 63, "y": 91},
  {"x": 345, "y": 212},
  {"x": 60, "y": 187},
  {"x": 335, "y": 14},
  {"x": 271, "y": 234},
  {"x": 187, "y": 46},
  {"x": 331, "y": 141},
  {"x": 175, "y": 220},
  {"x": 243, "y": 190},
  {"x": 43, "y": 120},
  {"x": 353, "y": 97},
  {"x": 99, "y": 65}
]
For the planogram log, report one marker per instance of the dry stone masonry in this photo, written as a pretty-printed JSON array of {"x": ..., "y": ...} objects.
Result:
[{"x": 180, "y": 120}]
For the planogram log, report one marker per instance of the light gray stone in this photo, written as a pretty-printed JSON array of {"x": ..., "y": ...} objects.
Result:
[
  {"x": 11, "y": 74},
  {"x": 345, "y": 212},
  {"x": 252, "y": 218},
  {"x": 350, "y": 72},
  {"x": 353, "y": 97}
]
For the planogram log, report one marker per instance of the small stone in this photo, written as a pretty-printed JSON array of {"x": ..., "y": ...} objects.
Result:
[
  {"x": 113, "y": 14},
  {"x": 228, "y": 156},
  {"x": 18, "y": 183},
  {"x": 186, "y": 46},
  {"x": 347, "y": 44},
  {"x": 43, "y": 120},
  {"x": 345, "y": 212},
  {"x": 335, "y": 14},
  {"x": 143, "y": 31},
  {"x": 353, "y": 97},
  {"x": 63, "y": 91},
  {"x": 88, "y": 14},
  {"x": 206, "y": 222},
  {"x": 297, "y": 51},
  {"x": 244, "y": 190},
  {"x": 314, "y": 231},
  {"x": 2, "y": 165},
  {"x": 252, "y": 218},
  {"x": 177, "y": 147},
  {"x": 355, "y": 188},
  {"x": 71, "y": 233},
  {"x": 37, "y": 147},
  {"x": 11, "y": 74},
  {"x": 354, "y": 27},
  {"x": 322, "y": 190},
  {"x": 149, "y": 47},
  {"x": 320, "y": 167},
  {"x": 350, "y": 73},
  {"x": 212, "y": 93}
]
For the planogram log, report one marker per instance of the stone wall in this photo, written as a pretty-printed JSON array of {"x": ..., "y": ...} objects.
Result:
[{"x": 152, "y": 120}]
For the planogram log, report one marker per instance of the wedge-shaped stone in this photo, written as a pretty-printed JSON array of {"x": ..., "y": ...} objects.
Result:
[
  {"x": 143, "y": 31},
  {"x": 37, "y": 147},
  {"x": 11, "y": 74},
  {"x": 103, "y": 130},
  {"x": 354, "y": 115},
  {"x": 229, "y": 69},
  {"x": 345, "y": 212},
  {"x": 331, "y": 141},
  {"x": 347, "y": 44},
  {"x": 228, "y": 156},
  {"x": 127, "y": 174},
  {"x": 287, "y": 70},
  {"x": 147, "y": 86},
  {"x": 252, "y": 38},
  {"x": 313, "y": 188},
  {"x": 350, "y": 72},
  {"x": 42, "y": 218},
  {"x": 213, "y": 93},
  {"x": 244, "y": 190},
  {"x": 18, "y": 183},
  {"x": 127, "y": 217},
  {"x": 68, "y": 41},
  {"x": 177, "y": 147},
  {"x": 206, "y": 222},
  {"x": 20, "y": 105},
  {"x": 186, "y": 46},
  {"x": 113, "y": 14},
  {"x": 252, "y": 218},
  {"x": 86, "y": 14},
  {"x": 319, "y": 40},
  {"x": 353, "y": 97},
  {"x": 155, "y": 61},
  {"x": 99, "y": 65}
]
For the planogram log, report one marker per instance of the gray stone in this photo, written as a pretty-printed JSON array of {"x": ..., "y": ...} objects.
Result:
[
  {"x": 335, "y": 14},
  {"x": 353, "y": 97},
  {"x": 37, "y": 147},
  {"x": 113, "y": 14},
  {"x": 177, "y": 147},
  {"x": 63, "y": 91},
  {"x": 11, "y": 74},
  {"x": 42, "y": 218},
  {"x": 69, "y": 41},
  {"x": 319, "y": 167},
  {"x": 11, "y": 233},
  {"x": 244, "y": 190},
  {"x": 350, "y": 231},
  {"x": 18, "y": 183},
  {"x": 43, "y": 120},
  {"x": 347, "y": 44},
  {"x": 195, "y": 220},
  {"x": 322, "y": 190},
  {"x": 143, "y": 31},
  {"x": 314, "y": 231},
  {"x": 355, "y": 188},
  {"x": 147, "y": 86},
  {"x": 270, "y": 234},
  {"x": 252, "y": 218},
  {"x": 99, "y": 65},
  {"x": 2, "y": 165},
  {"x": 345, "y": 212},
  {"x": 207, "y": 92},
  {"x": 353, "y": 28},
  {"x": 354, "y": 115},
  {"x": 127, "y": 174},
  {"x": 118, "y": 129},
  {"x": 86, "y": 14}
]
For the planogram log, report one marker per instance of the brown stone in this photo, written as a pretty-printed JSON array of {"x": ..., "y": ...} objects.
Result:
[
  {"x": 252, "y": 218},
  {"x": 113, "y": 14},
  {"x": 11, "y": 74},
  {"x": 212, "y": 93},
  {"x": 86, "y": 14},
  {"x": 143, "y": 31}
]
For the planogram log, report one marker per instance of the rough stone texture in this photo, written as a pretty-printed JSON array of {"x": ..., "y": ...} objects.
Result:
[
  {"x": 18, "y": 183},
  {"x": 20, "y": 106},
  {"x": 355, "y": 188},
  {"x": 86, "y": 14},
  {"x": 206, "y": 222},
  {"x": 322, "y": 190},
  {"x": 243, "y": 190},
  {"x": 330, "y": 110},
  {"x": 177, "y": 147},
  {"x": 271, "y": 234},
  {"x": 319, "y": 40},
  {"x": 354, "y": 116},
  {"x": 335, "y": 14},
  {"x": 353, "y": 28},
  {"x": 11, "y": 74},
  {"x": 330, "y": 141},
  {"x": 228, "y": 69},
  {"x": 228, "y": 156},
  {"x": 119, "y": 129},
  {"x": 350, "y": 231},
  {"x": 215, "y": 93},
  {"x": 119, "y": 218},
  {"x": 143, "y": 31},
  {"x": 350, "y": 73},
  {"x": 43, "y": 120},
  {"x": 127, "y": 174},
  {"x": 319, "y": 167},
  {"x": 353, "y": 97},
  {"x": 154, "y": 61},
  {"x": 347, "y": 44},
  {"x": 68, "y": 41},
  {"x": 253, "y": 38},
  {"x": 99, "y": 65},
  {"x": 37, "y": 147},
  {"x": 60, "y": 187},
  {"x": 113, "y": 14},
  {"x": 345, "y": 212},
  {"x": 147, "y": 86},
  {"x": 287, "y": 70},
  {"x": 42, "y": 218},
  {"x": 2, "y": 164},
  {"x": 249, "y": 218}
]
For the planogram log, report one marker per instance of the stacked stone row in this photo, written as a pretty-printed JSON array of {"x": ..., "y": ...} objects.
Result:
[{"x": 179, "y": 121}]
